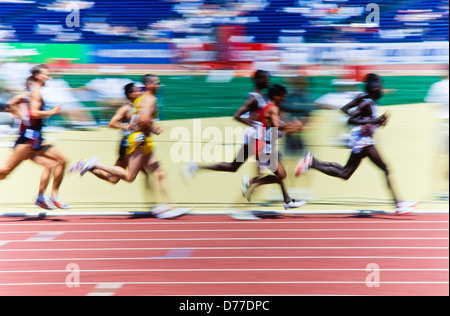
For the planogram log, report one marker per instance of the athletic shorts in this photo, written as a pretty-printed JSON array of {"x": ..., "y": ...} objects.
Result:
[
  {"x": 138, "y": 141},
  {"x": 253, "y": 132},
  {"x": 249, "y": 134},
  {"x": 123, "y": 146},
  {"x": 358, "y": 140},
  {"x": 32, "y": 137},
  {"x": 269, "y": 161}
]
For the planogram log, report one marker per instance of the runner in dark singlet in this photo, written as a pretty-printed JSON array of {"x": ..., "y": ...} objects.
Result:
[
  {"x": 247, "y": 114},
  {"x": 31, "y": 142}
]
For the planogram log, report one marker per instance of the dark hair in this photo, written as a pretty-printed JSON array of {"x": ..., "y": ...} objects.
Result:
[
  {"x": 30, "y": 80},
  {"x": 147, "y": 78},
  {"x": 129, "y": 88},
  {"x": 372, "y": 78},
  {"x": 36, "y": 70},
  {"x": 259, "y": 74},
  {"x": 372, "y": 85},
  {"x": 276, "y": 90}
]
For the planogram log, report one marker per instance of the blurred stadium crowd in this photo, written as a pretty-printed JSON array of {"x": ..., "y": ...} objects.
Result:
[{"x": 193, "y": 21}]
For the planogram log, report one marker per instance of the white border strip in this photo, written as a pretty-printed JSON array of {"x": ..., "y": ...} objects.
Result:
[
  {"x": 223, "y": 270},
  {"x": 232, "y": 282}
]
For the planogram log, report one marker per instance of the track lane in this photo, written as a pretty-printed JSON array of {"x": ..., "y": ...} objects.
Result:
[{"x": 214, "y": 255}]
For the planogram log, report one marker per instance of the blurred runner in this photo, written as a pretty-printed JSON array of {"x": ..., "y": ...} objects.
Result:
[
  {"x": 139, "y": 148},
  {"x": 267, "y": 153},
  {"x": 122, "y": 120},
  {"x": 247, "y": 114},
  {"x": 366, "y": 119},
  {"x": 438, "y": 94},
  {"x": 30, "y": 144}
]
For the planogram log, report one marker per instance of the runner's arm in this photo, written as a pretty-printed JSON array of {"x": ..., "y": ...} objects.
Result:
[
  {"x": 292, "y": 127},
  {"x": 356, "y": 119},
  {"x": 36, "y": 104},
  {"x": 353, "y": 103},
  {"x": 250, "y": 105},
  {"x": 273, "y": 114},
  {"x": 12, "y": 106},
  {"x": 117, "y": 118}
]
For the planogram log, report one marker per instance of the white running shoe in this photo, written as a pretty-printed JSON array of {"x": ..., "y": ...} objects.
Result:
[
  {"x": 244, "y": 215},
  {"x": 44, "y": 203},
  {"x": 403, "y": 210},
  {"x": 406, "y": 207},
  {"x": 304, "y": 164},
  {"x": 189, "y": 170},
  {"x": 294, "y": 204},
  {"x": 413, "y": 204},
  {"x": 77, "y": 167},
  {"x": 245, "y": 186},
  {"x": 89, "y": 165},
  {"x": 56, "y": 201},
  {"x": 173, "y": 213},
  {"x": 161, "y": 208}
]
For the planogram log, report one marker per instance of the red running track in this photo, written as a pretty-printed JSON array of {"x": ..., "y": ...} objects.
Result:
[{"x": 216, "y": 255}]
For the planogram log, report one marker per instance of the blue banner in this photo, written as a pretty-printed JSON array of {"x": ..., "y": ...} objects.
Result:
[{"x": 129, "y": 53}]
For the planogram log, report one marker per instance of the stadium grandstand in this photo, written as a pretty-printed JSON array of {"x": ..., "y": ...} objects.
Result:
[{"x": 264, "y": 21}]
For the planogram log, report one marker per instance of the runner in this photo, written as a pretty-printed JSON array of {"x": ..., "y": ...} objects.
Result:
[
  {"x": 30, "y": 144},
  {"x": 18, "y": 106},
  {"x": 121, "y": 120},
  {"x": 247, "y": 114},
  {"x": 267, "y": 153},
  {"x": 366, "y": 119},
  {"x": 139, "y": 148}
]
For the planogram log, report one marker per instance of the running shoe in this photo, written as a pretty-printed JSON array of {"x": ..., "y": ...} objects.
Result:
[
  {"x": 43, "y": 203},
  {"x": 294, "y": 204},
  {"x": 173, "y": 213},
  {"x": 161, "y": 208},
  {"x": 406, "y": 207},
  {"x": 189, "y": 170},
  {"x": 245, "y": 186},
  {"x": 89, "y": 165},
  {"x": 58, "y": 203},
  {"x": 304, "y": 164},
  {"x": 77, "y": 167},
  {"x": 244, "y": 215}
]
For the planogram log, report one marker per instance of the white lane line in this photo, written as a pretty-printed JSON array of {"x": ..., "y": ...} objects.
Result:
[
  {"x": 221, "y": 258},
  {"x": 332, "y": 238},
  {"x": 44, "y": 236},
  {"x": 233, "y": 282},
  {"x": 212, "y": 248},
  {"x": 50, "y": 234},
  {"x": 220, "y": 270}
]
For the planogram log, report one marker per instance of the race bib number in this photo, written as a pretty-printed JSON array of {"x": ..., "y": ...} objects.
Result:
[{"x": 31, "y": 134}]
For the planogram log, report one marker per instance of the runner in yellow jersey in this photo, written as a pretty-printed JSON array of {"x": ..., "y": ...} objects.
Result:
[
  {"x": 140, "y": 146},
  {"x": 122, "y": 120},
  {"x": 141, "y": 138}
]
